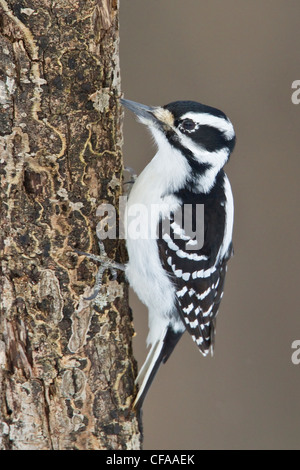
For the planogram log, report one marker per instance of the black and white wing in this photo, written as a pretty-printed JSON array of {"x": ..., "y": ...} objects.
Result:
[{"x": 198, "y": 274}]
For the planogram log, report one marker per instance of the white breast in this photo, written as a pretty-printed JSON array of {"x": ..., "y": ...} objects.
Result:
[
  {"x": 229, "y": 210},
  {"x": 147, "y": 200}
]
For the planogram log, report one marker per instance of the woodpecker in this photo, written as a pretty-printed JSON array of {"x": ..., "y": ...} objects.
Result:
[{"x": 180, "y": 280}]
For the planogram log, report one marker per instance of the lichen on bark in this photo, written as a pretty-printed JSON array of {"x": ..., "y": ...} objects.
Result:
[{"x": 66, "y": 365}]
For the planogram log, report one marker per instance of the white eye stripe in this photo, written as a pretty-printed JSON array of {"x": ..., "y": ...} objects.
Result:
[{"x": 219, "y": 123}]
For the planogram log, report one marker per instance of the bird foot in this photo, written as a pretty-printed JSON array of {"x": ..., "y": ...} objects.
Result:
[{"x": 105, "y": 263}]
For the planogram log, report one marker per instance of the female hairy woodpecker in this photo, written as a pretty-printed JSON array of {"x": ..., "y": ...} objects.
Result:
[{"x": 180, "y": 277}]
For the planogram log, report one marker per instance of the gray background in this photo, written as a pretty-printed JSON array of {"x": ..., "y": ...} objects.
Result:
[{"x": 241, "y": 57}]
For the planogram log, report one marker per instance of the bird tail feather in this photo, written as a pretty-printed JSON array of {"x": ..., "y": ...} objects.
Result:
[{"x": 159, "y": 353}]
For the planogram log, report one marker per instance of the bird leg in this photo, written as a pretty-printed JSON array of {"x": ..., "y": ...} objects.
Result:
[{"x": 130, "y": 183}]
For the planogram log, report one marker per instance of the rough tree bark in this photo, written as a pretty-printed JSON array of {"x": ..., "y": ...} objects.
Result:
[{"x": 66, "y": 365}]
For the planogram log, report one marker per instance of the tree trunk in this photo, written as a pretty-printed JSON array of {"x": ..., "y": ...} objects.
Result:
[{"x": 66, "y": 365}]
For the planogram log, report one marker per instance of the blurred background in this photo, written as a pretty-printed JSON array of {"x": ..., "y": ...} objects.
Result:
[{"x": 241, "y": 57}]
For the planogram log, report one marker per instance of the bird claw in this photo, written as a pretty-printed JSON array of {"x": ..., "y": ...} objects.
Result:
[{"x": 105, "y": 263}]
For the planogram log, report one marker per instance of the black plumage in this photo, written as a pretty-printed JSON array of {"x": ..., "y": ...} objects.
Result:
[{"x": 199, "y": 296}]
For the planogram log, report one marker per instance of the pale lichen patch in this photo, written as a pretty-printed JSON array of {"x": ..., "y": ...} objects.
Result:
[
  {"x": 49, "y": 289},
  {"x": 113, "y": 290},
  {"x": 100, "y": 100},
  {"x": 80, "y": 322}
]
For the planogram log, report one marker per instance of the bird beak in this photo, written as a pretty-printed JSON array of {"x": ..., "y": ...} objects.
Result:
[
  {"x": 150, "y": 115},
  {"x": 143, "y": 112}
]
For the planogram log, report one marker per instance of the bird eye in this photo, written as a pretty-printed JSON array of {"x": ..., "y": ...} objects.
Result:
[{"x": 187, "y": 125}]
